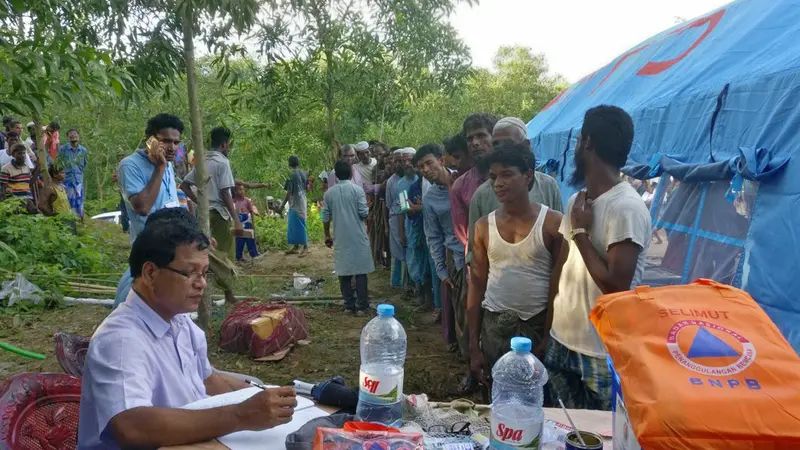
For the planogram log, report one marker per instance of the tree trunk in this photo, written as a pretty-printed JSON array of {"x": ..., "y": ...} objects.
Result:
[
  {"x": 201, "y": 174},
  {"x": 100, "y": 184},
  {"x": 21, "y": 27},
  {"x": 329, "y": 104},
  {"x": 41, "y": 151},
  {"x": 383, "y": 116}
]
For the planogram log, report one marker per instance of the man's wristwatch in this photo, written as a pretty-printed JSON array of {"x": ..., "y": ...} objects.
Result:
[{"x": 577, "y": 231}]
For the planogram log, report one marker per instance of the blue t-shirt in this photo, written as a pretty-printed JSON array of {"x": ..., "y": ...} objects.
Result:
[
  {"x": 73, "y": 161},
  {"x": 134, "y": 173}
]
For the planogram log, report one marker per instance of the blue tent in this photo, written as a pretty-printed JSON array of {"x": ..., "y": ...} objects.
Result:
[{"x": 716, "y": 107}]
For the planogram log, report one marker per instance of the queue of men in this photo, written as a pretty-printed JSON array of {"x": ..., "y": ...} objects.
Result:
[{"x": 482, "y": 238}]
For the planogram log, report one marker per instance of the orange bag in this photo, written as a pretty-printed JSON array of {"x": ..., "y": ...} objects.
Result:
[{"x": 701, "y": 367}]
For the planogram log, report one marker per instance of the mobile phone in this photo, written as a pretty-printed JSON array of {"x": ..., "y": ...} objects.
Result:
[{"x": 151, "y": 144}]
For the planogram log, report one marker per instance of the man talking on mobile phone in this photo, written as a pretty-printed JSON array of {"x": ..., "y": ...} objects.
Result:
[
  {"x": 147, "y": 181},
  {"x": 146, "y": 177}
]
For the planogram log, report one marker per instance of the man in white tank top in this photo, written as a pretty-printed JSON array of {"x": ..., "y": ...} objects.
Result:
[
  {"x": 608, "y": 227},
  {"x": 513, "y": 262}
]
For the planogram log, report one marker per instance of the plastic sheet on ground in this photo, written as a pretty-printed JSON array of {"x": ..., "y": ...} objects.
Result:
[{"x": 21, "y": 289}]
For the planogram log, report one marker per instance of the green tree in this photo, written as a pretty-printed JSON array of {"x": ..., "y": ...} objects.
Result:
[
  {"x": 519, "y": 85},
  {"x": 58, "y": 58},
  {"x": 359, "y": 59}
]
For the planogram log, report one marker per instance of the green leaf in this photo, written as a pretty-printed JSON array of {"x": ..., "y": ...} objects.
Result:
[
  {"x": 117, "y": 85},
  {"x": 13, "y": 106},
  {"x": 18, "y": 5},
  {"x": 7, "y": 248},
  {"x": 36, "y": 106}
]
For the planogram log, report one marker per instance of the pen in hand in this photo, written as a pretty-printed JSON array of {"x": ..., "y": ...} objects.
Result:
[
  {"x": 262, "y": 387},
  {"x": 254, "y": 384}
]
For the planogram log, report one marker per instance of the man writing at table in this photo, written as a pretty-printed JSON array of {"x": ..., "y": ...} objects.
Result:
[{"x": 147, "y": 358}]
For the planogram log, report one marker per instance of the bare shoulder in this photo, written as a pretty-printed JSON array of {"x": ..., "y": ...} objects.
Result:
[
  {"x": 552, "y": 221},
  {"x": 482, "y": 225}
]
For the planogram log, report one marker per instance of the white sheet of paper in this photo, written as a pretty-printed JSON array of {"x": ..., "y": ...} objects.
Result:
[
  {"x": 235, "y": 397},
  {"x": 272, "y": 439}
]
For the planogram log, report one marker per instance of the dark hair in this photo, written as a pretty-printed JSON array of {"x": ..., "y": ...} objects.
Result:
[
  {"x": 19, "y": 146},
  {"x": 158, "y": 243},
  {"x": 219, "y": 136},
  {"x": 478, "y": 120},
  {"x": 341, "y": 149},
  {"x": 174, "y": 214},
  {"x": 511, "y": 154},
  {"x": 7, "y": 120},
  {"x": 71, "y": 130},
  {"x": 376, "y": 143},
  {"x": 54, "y": 125},
  {"x": 14, "y": 123},
  {"x": 294, "y": 161},
  {"x": 162, "y": 122},
  {"x": 610, "y": 130},
  {"x": 12, "y": 134},
  {"x": 455, "y": 144},
  {"x": 428, "y": 149},
  {"x": 54, "y": 169},
  {"x": 343, "y": 170}
]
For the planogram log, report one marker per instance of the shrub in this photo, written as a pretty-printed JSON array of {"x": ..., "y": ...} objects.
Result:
[
  {"x": 48, "y": 249},
  {"x": 271, "y": 231}
]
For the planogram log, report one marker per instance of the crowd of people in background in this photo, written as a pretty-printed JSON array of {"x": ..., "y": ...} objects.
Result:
[
  {"x": 471, "y": 231},
  {"x": 54, "y": 187}
]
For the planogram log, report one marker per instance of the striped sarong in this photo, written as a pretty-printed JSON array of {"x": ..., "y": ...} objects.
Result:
[
  {"x": 458, "y": 298},
  {"x": 378, "y": 228}
]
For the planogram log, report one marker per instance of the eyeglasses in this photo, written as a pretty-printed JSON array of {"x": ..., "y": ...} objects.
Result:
[
  {"x": 461, "y": 428},
  {"x": 193, "y": 276}
]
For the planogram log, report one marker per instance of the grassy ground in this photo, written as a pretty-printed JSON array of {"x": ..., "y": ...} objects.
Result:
[{"x": 334, "y": 337}]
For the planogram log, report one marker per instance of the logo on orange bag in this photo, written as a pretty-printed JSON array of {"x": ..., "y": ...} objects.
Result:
[{"x": 709, "y": 349}]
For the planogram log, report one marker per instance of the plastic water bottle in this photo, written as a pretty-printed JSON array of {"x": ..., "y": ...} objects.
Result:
[
  {"x": 383, "y": 352},
  {"x": 517, "y": 398}
]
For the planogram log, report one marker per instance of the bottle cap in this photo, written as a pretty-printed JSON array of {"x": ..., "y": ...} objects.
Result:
[
  {"x": 521, "y": 344},
  {"x": 386, "y": 310}
]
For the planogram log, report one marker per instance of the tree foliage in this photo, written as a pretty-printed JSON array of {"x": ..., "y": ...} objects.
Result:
[
  {"x": 357, "y": 59},
  {"x": 59, "y": 57},
  {"x": 519, "y": 85},
  {"x": 329, "y": 71}
]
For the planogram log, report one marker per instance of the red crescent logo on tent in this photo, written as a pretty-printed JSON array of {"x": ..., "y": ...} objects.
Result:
[{"x": 709, "y": 349}]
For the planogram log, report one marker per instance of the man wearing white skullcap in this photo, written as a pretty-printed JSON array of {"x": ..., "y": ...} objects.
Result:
[
  {"x": 510, "y": 128},
  {"x": 366, "y": 163}
]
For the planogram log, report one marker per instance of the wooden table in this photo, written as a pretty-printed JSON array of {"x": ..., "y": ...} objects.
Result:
[{"x": 595, "y": 421}]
